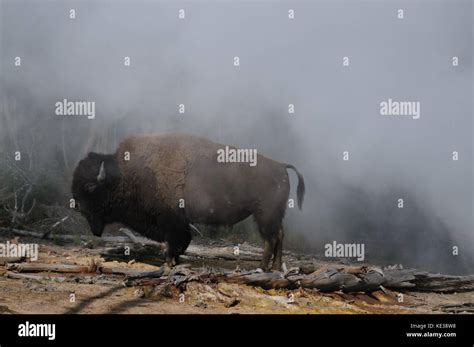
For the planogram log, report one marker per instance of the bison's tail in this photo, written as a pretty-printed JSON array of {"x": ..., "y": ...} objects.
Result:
[{"x": 301, "y": 188}]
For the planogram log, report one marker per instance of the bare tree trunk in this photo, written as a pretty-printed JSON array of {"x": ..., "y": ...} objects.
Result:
[
  {"x": 63, "y": 144},
  {"x": 10, "y": 123}
]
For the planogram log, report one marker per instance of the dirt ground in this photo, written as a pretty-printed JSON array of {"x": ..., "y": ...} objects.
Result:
[{"x": 99, "y": 293}]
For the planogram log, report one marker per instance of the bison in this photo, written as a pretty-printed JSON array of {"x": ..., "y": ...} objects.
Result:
[{"x": 158, "y": 184}]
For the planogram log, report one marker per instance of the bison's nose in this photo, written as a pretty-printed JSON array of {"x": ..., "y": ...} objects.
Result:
[{"x": 97, "y": 231}]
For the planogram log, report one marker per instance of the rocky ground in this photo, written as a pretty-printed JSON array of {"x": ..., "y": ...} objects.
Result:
[{"x": 92, "y": 292}]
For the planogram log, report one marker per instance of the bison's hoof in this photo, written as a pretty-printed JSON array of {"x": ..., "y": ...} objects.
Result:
[
  {"x": 166, "y": 269},
  {"x": 171, "y": 261}
]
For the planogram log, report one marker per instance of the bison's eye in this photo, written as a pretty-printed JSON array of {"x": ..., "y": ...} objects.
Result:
[{"x": 90, "y": 187}]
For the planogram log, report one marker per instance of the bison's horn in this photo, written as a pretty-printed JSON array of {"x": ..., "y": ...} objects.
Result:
[{"x": 102, "y": 174}]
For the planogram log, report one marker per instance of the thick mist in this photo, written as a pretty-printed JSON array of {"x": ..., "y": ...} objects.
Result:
[{"x": 282, "y": 62}]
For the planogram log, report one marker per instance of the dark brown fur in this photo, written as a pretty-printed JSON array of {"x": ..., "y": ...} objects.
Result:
[{"x": 144, "y": 193}]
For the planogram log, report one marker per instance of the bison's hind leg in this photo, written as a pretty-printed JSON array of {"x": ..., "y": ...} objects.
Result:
[
  {"x": 267, "y": 254},
  {"x": 269, "y": 218},
  {"x": 271, "y": 231},
  {"x": 278, "y": 250},
  {"x": 177, "y": 241}
]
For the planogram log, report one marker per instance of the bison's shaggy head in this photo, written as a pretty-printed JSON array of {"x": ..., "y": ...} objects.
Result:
[{"x": 94, "y": 181}]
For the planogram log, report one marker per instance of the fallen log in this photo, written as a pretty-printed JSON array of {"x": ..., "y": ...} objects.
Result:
[
  {"x": 38, "y": 278},
  {"x": 60, "y": 279},
  {"x": 246, "y": 253},
  {"x": 132, "y": 273},
  {"x": 61, "y": 268},
  {"x": 6, "y": 260},
  {"x": 143, "y": 247},
  {"x": 93, "y": 268},
  {"x": 366, "y": 279},
  {"x": 467, "y": 307},
  {"x": 266, "y": 280},
  {"x": 425, "y": 282},
  {"x": 67, "y": 237},
  {"x": 330, "y": 280},
  {"x": 139, "y": 239},
  {"x": 22, "y": 232},
  {"x": 362, "y": 279}
]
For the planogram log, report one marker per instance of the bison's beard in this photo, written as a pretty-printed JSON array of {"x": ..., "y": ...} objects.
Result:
[{"x": 97, "y": 226}]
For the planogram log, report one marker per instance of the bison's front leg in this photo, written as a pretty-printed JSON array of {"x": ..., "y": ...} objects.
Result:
[{"x": 177, "y": 240}]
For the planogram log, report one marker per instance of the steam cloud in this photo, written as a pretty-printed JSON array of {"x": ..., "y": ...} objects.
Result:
[{"x": 282, "y": 62}]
